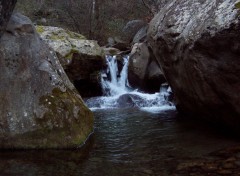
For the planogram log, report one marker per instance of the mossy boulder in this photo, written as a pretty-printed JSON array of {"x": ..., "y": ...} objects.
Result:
[
  {"x": 81, "y": 58},
  {"x": 40, "y": 108},
  {"x": 65, "y": 42}
]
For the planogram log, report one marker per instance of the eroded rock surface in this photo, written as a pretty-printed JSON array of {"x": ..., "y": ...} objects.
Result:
[
  {"x": 39, "y": 108},
  {"x": 197, "y": 43}
]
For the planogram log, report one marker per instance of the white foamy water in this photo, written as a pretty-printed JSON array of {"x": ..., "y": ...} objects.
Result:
[{"x": 118, "y": 95}]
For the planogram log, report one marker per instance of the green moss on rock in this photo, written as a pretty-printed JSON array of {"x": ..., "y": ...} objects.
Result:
[
  {"x": 75, "y": 35},
  {"x": 55, "y": 36},
  {"x": 237, "y": 5},
  {"x": 40, "y": 29},
  {"x": 67, "y": 123}
]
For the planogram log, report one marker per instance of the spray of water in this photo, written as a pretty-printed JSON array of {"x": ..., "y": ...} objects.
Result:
[
  {"x": 118, "y": 94},
  {"x": 117, "y": 84}
]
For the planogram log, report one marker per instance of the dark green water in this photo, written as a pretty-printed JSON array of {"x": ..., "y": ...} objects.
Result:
[{"x": 125, "y": 143}]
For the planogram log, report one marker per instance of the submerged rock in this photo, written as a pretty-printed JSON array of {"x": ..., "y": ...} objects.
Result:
[
  {"x": 82, "y": 59},
  {"x": 128, "y": 101},
  {"x": 40, "y": 108},
  {"x": 197, "y": 44}
]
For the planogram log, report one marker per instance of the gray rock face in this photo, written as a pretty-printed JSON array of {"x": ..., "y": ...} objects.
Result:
[
  {"x": 131, "y": 28},
  {"x": 39, "y": 106},
  {"x": 144, "y": 72},
  {"x": 6, "y": 8},
  {"x": 141, "y": 35},
  {"x": 197, "y": 44}
]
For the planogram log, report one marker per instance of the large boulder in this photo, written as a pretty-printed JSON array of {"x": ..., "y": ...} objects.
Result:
[
  {"x": 6, "y": 8},
  {"x": 144, "y": 72},
  {"x": 197, "y": 44},
  {"x": 40, "y": 107},
  {"x": 131, "y": 29},
  {"x": 82, "y": 59}
]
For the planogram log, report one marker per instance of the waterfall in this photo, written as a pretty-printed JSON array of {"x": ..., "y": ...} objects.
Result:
[
  {"x": 117, "y": 84},
  {"x": 117, "y": 93}
]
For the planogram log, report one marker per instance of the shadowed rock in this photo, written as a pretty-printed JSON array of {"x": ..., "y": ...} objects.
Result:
[
  {"x": 197, "y": 43},
  {"x": 144, "y": 72},
  {"x": 6, "y": 8},
  {"x": 82, "y": 59},
  {"x": 131, "y": 28}
]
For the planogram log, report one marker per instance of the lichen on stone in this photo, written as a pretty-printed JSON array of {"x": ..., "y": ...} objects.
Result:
[
  {"x": 40, "y": 29},
  {"x": 66, "y": 42},
  {"x": 75, "y": 35},
  {"x": 66, "y": 113}
]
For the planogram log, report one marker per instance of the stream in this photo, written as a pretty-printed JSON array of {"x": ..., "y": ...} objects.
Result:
[{"x": 136, "y": 134}]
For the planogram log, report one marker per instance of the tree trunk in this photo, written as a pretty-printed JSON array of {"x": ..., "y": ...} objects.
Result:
[{"x": 6, "y": 8}]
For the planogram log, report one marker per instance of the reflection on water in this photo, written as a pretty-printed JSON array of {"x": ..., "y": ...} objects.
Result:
[{"x": 125, "y": 142}]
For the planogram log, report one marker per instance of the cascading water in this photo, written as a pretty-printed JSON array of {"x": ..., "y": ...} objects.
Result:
[
  {"x": 117, "y": 93},
  {"x": 117, "y": 84}
]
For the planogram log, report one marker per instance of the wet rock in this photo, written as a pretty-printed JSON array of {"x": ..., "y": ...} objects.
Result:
[
  {"x": 197, "y": 44},
  {"x": 82, "y": 59},
  {"x": 94, "y": 102},
  {"x": 111, "y": 51},
  {"x": 138, "y": 63},
  {"x": 40, "y": 108},
  {"x": 144, "y": 72},
  {"x": 128, "y": 100}
]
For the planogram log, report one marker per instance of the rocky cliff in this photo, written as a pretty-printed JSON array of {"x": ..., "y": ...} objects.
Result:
[
  {"x": 39, "y": 107},
  {"x": 197, "y": 44}
]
